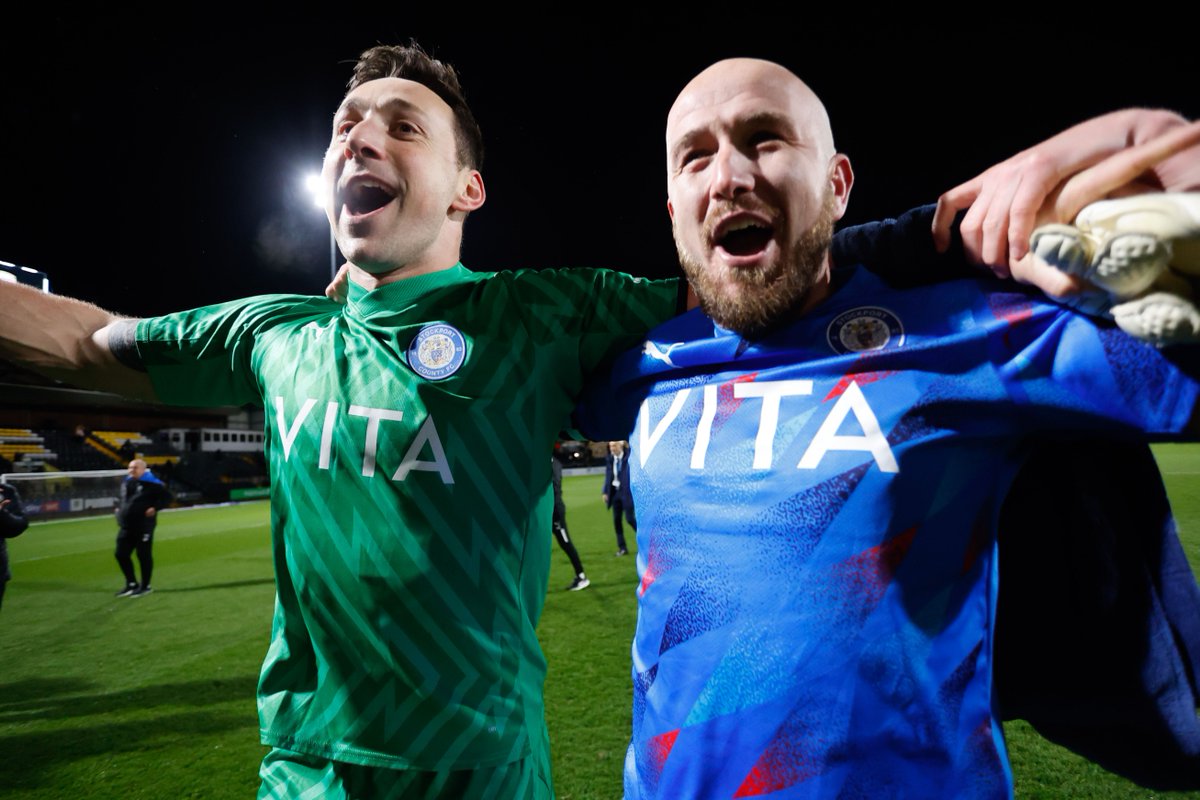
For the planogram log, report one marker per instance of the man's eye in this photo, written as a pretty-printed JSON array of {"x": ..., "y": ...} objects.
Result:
[
  {"x": 404, "y": 128},
  {"x": 763, "y": 137},
  {"x": 693, "y": 159},
  {"x": 342, "y": 129}
]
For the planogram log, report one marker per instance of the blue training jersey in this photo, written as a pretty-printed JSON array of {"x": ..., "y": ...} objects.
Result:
[{"x": 816, "y": 531}]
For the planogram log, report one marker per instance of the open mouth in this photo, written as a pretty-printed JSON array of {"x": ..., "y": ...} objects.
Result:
[
  {"x": 363, "y": 197},
  {"x": 745, "y": 237}
]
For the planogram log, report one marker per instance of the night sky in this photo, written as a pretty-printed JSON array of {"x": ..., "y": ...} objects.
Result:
[{"x": 149, "y": 167}]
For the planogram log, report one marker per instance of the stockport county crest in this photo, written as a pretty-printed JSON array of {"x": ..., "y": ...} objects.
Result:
[
  {"x": 437, "y": 351},
  {"x": 863, "y": 329}
]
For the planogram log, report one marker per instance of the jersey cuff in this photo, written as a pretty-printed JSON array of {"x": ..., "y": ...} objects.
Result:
[{"x": 122, "y": 343}]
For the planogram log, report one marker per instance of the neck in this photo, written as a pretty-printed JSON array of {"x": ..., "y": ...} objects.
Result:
[
  {"x": 821, "y": 289},
  {"x": 373, "y": 280},
  {"x": 441, "y": 254}
]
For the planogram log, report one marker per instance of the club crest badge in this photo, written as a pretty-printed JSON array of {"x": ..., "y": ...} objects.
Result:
[
  {"x": 437, "y": 351},
  {"x": 865, "y": 329}
]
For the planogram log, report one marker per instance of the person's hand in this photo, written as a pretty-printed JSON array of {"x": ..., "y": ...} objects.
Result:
[
  {"x": 1167, "y": 162},
  {"x": 605, "y": 498},
  {"x": 4, "y": 502},
  {"x": 1119, "y": 153},
  {"x": 150, "y": 512},
  {"x": 336, "y": 290}
]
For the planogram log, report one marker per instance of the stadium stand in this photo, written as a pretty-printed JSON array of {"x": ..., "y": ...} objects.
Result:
[
  {"x": 25, "y": 449},
  {"x": 218, "y": 476},
  {"x": 193, "y": 477},
  {"x": 73, "y": 454},
  {"x": 118, "y": 447}
]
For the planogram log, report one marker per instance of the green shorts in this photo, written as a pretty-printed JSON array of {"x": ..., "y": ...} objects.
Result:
[{"x": 287, "y": 775}]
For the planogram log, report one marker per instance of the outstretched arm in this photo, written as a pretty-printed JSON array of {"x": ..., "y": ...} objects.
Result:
[
  {"x": 1123, "y": 151},
  {"x": 67, "y": 339}
]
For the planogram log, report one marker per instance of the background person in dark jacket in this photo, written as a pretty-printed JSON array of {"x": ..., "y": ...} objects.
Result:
[
  {"x": 616, "y": 492},
  {"x": 558, "y": 526},
  {"x": 12, "y": 523},
  {"x": 142, "y": 495}
]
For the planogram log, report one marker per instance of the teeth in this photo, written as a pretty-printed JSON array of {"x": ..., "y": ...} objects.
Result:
[
  {"x": 368, "y": 183},
  {"x": 742, "y": 225}
]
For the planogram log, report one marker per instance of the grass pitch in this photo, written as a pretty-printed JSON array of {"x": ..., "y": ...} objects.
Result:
[{"x": 153, "y": 697}]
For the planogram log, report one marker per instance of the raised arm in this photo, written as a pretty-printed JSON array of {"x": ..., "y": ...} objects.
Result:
[
  {"x": 1124, "y": 151},
  {"x": 68, "y": 340}
]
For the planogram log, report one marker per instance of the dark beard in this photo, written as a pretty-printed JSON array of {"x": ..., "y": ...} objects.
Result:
[{"x": 770, "y": 293}]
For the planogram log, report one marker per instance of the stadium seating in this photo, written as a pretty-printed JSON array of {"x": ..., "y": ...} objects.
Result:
[
  {"x": 73, "y": 454},
  {"x": 193, "y": 477},
  {"x": 121, "y": 446},
  {"x": 29, "y": 450},
  {"x": 25, "y": 449}
]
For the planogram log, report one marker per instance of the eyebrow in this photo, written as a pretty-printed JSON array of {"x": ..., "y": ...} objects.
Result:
[
  {"x": 389, "y": 104},
  {"x": 759, "y": 119},
  {"x": 683, "y": 143},
  {"x": 768, "y": 119}
]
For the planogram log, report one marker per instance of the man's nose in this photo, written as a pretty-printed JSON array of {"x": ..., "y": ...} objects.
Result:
[
  {"x": 365, "y": 140},
  {"x": 733, "y": 173}
]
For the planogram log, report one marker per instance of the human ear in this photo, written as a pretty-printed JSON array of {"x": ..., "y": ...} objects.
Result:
[
  {"x": 471, "y": 194},
  {"x": 841, "y": 180}
]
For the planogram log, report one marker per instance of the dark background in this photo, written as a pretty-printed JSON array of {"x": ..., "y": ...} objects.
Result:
[{"x": 149, "y": 167}]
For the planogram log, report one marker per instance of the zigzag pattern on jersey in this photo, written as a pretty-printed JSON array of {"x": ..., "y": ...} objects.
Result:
[
  {"x": 501, "y": 435},
  {"x": 363, "y": 537},
  {"x": 415, "y": 642}
]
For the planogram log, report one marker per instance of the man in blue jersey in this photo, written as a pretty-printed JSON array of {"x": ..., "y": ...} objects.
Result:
[{"x": 818, "y": 463}]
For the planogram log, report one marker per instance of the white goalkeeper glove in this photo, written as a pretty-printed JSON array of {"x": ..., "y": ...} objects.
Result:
[{"x": 1142, "y": 255}]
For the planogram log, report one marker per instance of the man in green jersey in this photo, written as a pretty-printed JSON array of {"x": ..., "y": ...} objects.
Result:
[{"x": 407, "y": 436}]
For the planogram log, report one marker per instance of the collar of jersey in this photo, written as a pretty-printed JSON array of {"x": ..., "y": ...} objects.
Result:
[{"x": 395, "y": 296}]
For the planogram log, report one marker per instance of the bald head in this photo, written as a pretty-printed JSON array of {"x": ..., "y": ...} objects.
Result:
[
  {"x": 137, "y": 468},
  {"x": 754, "y": 187},
  {"x": 735, "y": 83}
]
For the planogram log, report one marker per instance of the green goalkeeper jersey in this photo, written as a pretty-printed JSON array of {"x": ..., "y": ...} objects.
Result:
[{"x": 407, "y": 435}]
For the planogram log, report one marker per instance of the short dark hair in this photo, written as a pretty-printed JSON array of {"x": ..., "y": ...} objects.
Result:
[{"x": 412, "y": 63}]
